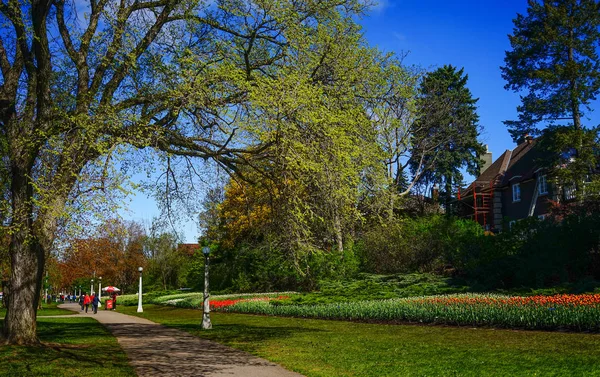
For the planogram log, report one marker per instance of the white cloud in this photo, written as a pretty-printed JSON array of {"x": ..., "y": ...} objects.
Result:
[
  {"x": 399, "y": 36},
  {"x": 380, "y": 5}
]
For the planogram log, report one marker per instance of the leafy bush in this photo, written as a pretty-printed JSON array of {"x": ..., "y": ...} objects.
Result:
[
  {"x": 425, "y": 244},
  {"x": 560, "y": 252},
  {"x": 541, "y": 254},
  {"x": 376, "y": 287}
]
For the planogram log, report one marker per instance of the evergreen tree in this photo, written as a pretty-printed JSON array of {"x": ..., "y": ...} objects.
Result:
[
  {"x": 554, "y": 59},
  {"x": 447, "y": 129}
]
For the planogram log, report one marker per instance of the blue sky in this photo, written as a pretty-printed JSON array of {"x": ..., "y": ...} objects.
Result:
[
  {"x": 465, "y": 33},
  {"x": 469, "y": 34}
]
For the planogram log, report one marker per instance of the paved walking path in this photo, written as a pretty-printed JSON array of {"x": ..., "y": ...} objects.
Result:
[{"x": 156, "y": 350}]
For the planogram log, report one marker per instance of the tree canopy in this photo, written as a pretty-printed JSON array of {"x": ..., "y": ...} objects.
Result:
[
  {"x": 219, "y": 81},
  {"x": 554, "y": 61},
  {"x": 448, "y": 125}
]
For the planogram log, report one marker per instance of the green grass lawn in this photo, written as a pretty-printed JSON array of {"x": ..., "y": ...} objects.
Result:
[
  {"x": 71, "y": 347},
  {"x": 47, "y": 309},
  {"x": 337, "y": 348}
]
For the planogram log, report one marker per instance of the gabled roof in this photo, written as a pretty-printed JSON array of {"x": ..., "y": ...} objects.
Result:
[
  {"x": 512, "y": 166},
  {"x": 498, "y": 167},
  {"x": 523, "y": 164}
]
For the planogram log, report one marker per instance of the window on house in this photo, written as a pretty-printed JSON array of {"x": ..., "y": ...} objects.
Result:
[
  {"x": 569, "y": 192},
  {"x": 542, "y": 185},
  {"x": 479, "y": 201},
  {"x": 511, "y": 224},
  {"x": 516, "y": 191},
  {"x": 542, "y": 217}
]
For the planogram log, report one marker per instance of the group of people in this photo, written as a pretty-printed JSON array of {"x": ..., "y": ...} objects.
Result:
[
  {"x": 61, "y": 298},
  {"x": 85, "y": 300}
]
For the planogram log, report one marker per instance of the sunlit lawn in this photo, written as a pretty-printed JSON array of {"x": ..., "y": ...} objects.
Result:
[
  {"x": 47, "y": 309},
  {"x": 336, "y": 348},
  {"x": 71, "y": 347}
]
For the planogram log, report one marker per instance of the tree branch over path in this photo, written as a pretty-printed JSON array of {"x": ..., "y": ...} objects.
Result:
[{"x": 173, "y": 75}]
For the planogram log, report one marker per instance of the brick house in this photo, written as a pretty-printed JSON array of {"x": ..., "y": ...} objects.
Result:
[
  {"x": 511, "y": 188},
  {"x": 188, "y": 249}
]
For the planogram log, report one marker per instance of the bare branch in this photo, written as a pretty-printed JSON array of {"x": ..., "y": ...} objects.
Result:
[{"x": 123, "y": 69}]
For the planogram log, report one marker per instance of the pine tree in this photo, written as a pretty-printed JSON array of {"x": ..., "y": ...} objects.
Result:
[
  {"x": 555, "y": 61},
  {"x": 447, "y": 128}
]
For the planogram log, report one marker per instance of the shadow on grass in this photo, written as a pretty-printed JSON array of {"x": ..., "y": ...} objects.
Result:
[
  {"x": 254, "y": 330},
  {"x": 248, "y": 337},
  {"x": 67, "y": 347}
]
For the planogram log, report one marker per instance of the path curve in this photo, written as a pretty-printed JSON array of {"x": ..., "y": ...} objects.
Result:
[{"x": 156, "y": 350}]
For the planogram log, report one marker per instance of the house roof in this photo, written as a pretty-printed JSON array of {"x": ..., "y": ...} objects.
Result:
[
  {"x": 515, "y": 165},
  {"x": 523, "y": 164},
  {"x": 188, "y": 248}
]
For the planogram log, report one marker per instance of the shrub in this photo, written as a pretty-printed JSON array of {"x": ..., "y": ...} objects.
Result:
[{"x": 426, "y": 244}]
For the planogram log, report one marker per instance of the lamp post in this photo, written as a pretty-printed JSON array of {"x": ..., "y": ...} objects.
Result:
[
  {"x": 140, "y": 310},
  {"x": 206, "y": 305},
  {"x": 46, "y": 286},
  {"x": 92, "y": 287},
  {"x": 100, "y": 291},
  {"x": 79, "y": 291}
]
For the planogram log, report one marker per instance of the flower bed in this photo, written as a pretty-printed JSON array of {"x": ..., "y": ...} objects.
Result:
[
  {"x": 192, "y": 300},
  {"x": 574, "y": 312},
  {"x": 220, "y": 304}
]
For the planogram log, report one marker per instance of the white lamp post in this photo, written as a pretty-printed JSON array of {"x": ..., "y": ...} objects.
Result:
[
  {"x": 206, "y": 305},
  {"x": 92, "y": 288},
  {"x": 140, "y": 310},
  {"x": 46, "y": 286},
  {"x": 100, "y": 291}
]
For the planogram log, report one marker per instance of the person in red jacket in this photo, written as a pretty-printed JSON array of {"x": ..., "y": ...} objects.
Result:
[{"x": 87, "y": 301}]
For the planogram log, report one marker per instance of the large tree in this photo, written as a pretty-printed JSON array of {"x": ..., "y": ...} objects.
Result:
[
  {"x": 448, "y": 126},
  {"x": 113, "y": 252},
  {"x": 186, "y": 77},
  {"x": 554, "y": 61}
]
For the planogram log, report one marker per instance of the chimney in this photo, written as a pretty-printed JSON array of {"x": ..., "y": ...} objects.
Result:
[
  {"x": 435, "y": 192},
  {"x": 527, "y": 138},
  {"x": 486, "y": 160}
]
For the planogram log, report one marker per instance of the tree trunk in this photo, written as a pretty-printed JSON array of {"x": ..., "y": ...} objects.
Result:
[
  {"x": 574, "y": 100},
  {"x": 27, "y": 259},
  {"x": 392, "y": 194},
  {"x": 448, "y": 195},
  {"x": 339, "y": 238},
  {"x": 27, "y": 264}
]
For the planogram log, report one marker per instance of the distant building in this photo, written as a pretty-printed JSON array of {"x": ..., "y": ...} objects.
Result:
[
  {"x": 511, "y": 188},
  {"x": 188, "y": 249}
]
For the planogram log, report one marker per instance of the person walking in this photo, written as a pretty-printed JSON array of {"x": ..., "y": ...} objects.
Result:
[
  {"x": 114, "y": 300},
  {"x": 87, "y": 300},
  {"x": 81, "y": 300},
  {"x": 95, "y": 301}
]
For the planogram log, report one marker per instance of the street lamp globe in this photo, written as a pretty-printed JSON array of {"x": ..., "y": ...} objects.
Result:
[
  {"x": 206, "y": 250},
  {"x": 140, "y": 269}
]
